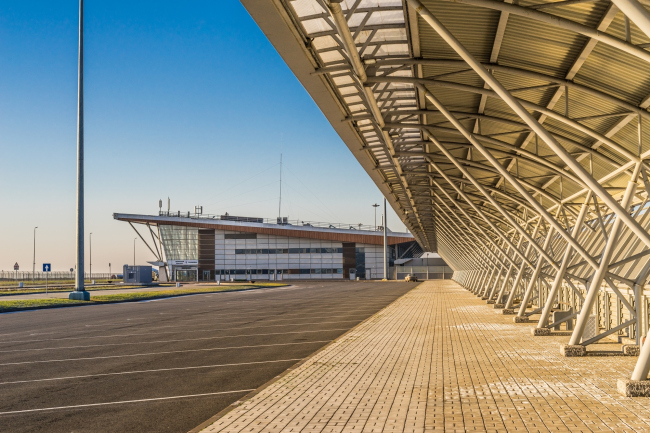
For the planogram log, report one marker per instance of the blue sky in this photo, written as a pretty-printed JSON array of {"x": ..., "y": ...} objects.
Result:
[{"x": 185, "y": 99}]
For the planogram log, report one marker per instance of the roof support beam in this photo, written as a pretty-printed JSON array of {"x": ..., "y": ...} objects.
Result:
[
  {"x": 636, "y": 13},
  {"x": 344, "y": 32},
  {"x": 559, "y": 22},
  {"x": 622, "y": 213}
]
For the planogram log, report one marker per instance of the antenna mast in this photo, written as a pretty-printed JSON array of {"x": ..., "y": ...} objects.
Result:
[{"x": 280, "y": 204}]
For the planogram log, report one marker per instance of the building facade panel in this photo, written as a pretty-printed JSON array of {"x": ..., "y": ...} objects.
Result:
[{"x": 206, "y": 248}]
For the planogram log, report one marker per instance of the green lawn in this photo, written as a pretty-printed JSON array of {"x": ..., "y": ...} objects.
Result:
[
  {"x": 28, "y": 291},
  {"x": 32, "y": 304}
]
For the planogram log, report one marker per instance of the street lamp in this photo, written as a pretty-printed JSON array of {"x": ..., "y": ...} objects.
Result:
[
  {"x": 134, "y": 239},
  {"x": 109, "y": 271},
  {"x": 385, "y": 242},
  {"x": 375, "y": 206},
  {"x": 80, "y": 293},
  {"x": 91, "y": 256},
  {"x": 34, "y": 263}
]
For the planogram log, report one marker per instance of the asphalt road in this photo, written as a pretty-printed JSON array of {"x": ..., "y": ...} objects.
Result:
[{"x": 166, "y": 365}]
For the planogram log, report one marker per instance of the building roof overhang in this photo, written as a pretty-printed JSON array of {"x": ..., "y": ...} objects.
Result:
[
  {"x": 478, "y": 119},
  {"x": 326, "y": 234}
]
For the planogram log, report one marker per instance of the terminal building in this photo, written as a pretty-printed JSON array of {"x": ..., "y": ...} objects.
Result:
[{"x": 196, "y": 247}]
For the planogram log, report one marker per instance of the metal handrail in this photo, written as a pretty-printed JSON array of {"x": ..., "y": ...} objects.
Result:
[{"x": 299, "y": 223}]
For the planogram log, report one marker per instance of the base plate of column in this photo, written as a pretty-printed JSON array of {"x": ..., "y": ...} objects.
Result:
[
  {"x": 573, "y": 350},
  {"x": 79, "y": 295},
  {"x": 633, "y": 388},
  {"x": 631, "y": 350},
  {"x": 498, "y": 306},
  {"x": 490, "y": 301},
  {"x": 540, "y": 331},
  {"x": 508, "y": 311},
  {"x": 518, "y": 319}
]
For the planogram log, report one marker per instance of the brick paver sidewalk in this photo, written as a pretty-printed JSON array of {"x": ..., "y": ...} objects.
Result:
[{"x": 439, "y": 359}]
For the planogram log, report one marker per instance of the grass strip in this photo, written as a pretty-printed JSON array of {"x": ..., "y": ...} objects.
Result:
[
  {"x": 89, "y": 288},
  {"x": 54, "y": 281},
  {"x": 35, "y": 304},
  {"x": 28, "y": 291}
]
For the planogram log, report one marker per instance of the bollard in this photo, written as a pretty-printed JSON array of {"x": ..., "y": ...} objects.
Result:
[{"x": 178, "y": 284}]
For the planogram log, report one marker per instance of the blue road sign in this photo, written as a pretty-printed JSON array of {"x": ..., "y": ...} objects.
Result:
[{"x": 47, "y": 267}]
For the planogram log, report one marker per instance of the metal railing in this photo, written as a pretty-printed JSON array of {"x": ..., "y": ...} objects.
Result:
[
  {"x": 26, "y": 276},
  {"x": 424, "y": 272}
]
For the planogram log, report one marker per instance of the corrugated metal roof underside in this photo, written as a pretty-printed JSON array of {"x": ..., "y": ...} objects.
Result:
[{"x": 533, "y": 59}]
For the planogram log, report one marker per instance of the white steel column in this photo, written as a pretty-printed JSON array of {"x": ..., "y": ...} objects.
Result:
[
  {"x": 520, "y": 274},
  {"x": 599, "y": 275}
]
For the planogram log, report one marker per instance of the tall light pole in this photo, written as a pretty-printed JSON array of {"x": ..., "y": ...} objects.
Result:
[
  {"x": 375, "y": 206},
  {"x": 134, "y": 239},
  {"x": 109, "y": 271},
  {"x": 385, "y": 244},
  {"x": 91, "y": 256},
  {"x": 34, "y": 263},
  {"x": 80, "y": 292}
]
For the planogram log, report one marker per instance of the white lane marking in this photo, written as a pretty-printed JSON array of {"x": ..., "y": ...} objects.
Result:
[
  {"x": 163, "y": 353},
  {"x": 143, "y": 400},
  {"x": 278, "y": 318},
  {"x": 172, "y": 341},
  {"x": 148, "y": 371},
  {"x": 176, "y": 332}
]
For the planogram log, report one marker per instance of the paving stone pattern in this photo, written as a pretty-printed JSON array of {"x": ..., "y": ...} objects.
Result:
[{"x": 440, "y": 359}]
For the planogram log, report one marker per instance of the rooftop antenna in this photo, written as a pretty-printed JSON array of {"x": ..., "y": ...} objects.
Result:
[
  {"x": 160, "y": 205},
  {"x": 280, "y": 204},
  {"x": 168, "y": 205}
]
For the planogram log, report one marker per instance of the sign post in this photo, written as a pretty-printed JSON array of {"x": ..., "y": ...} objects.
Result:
[
  {"x": 47, "y": 268},
  {"x": 16, "y": 268}
]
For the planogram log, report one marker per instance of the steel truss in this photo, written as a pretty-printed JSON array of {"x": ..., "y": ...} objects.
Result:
[{"x": 529, "y": 177}]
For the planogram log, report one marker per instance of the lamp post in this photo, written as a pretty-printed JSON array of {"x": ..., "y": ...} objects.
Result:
[
  {"x": 91, "y": 256},
  {"x": 134, "y": 239},
  {"x": 109, "y": 271},
  {"x": 34, "y": 262},
  {"x": 375, "y": 206},
  {"x": 385, "y": 244},
  {"x": 80, "y": 292}
]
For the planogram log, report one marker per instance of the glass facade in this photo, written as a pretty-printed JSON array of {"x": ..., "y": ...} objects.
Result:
[
  {"x": 186, "y": 275},
  {"x": 180, "y": 243}
]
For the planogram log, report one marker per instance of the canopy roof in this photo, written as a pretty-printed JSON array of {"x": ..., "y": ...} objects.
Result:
[{"x": 493, "y": 112}]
